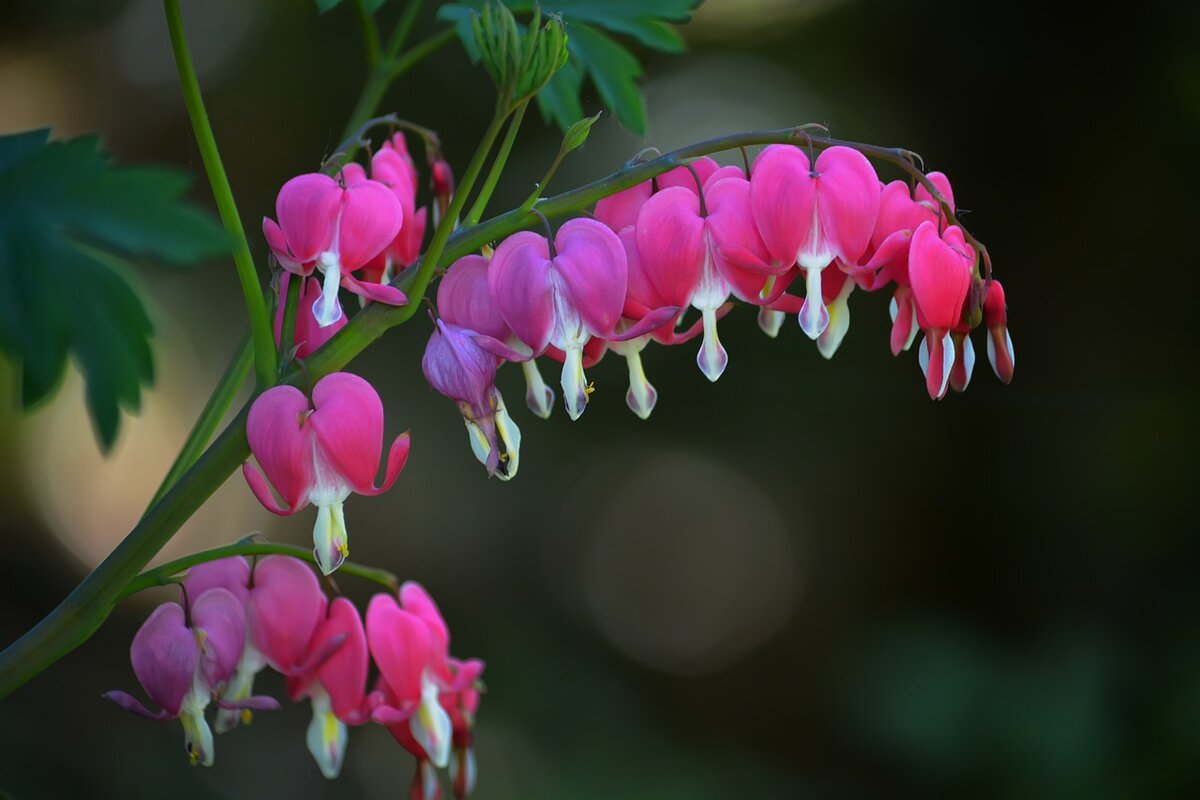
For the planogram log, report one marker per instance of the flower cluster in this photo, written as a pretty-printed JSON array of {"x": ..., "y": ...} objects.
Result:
[
  {"x": 703, "y": 237},
  {"x": 237, "y": 619}
]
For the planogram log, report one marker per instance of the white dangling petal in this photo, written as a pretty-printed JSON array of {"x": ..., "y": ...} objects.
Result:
[
  {"x": 712, "y": 358},
  {"x": 330, "y": 541},
  {"x": 510, "y": 437},
  {"x": 913, "y": 327},
  {"x": 326, "y": 737},
  {"x": 326, "y": 309},
  {"x": 574, "y": 382},
  {"x": 480, "y": 445},
  {"x": 641, "y": 396},
  {"x": 538, "y": 396},
  {"x": 893, "y": 309},
  {"x": 770, "y": 321},
  {"x": 430, "y": 725},
  {"x": 923, "y": 356},
  {"x": 241, "y": 685},
  {"x": 947, "y": 361},
  {"x": 814, "y": 317},
  {"x": 197, "y": 736},
  {"x": 839, "y": 322}
]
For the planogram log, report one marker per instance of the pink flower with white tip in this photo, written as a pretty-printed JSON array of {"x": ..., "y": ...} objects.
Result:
[
  {"x": 336, "y": 687},
  {"x": 320, "y": 453},
  {"x": 410, "y": 643},
  {"x": 562, "y": 293},
  {"x": 999, "y": 343},
  {"x": 939, "y": 268},
  {"x": 463, "y": 299},
  {"x": 184, "y": 659},
  {"x": 336, "y": 229},
  {"x": 811, "y": 214},
  {"x": 308, "y": 336}
]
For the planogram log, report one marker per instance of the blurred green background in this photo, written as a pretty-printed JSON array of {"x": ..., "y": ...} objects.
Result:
[{"x": 804, "y": 581}]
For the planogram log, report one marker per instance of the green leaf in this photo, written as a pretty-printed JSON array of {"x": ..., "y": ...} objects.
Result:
[
  {"x": 325, "y": 5},
  {"x": 370, "y": 6},
  {"x": 612, "y": 68},
  {"x": 67, "y": 217},
  {"x": 559, "y": 99}
]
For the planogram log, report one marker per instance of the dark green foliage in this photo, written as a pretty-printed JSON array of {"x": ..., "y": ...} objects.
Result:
[{"x": 67, "y": 217}]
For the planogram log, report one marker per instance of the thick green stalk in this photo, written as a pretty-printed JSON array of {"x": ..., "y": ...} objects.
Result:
[
  {"x": 403, "y": 28},
  {"x": 372, "y": 45},
  {"x": 256, "y": 308},
  {"x": 168, "y": 573},
  {"x": 77, "y": 617},
  {"x": 287, "y": 325},
  {"x": 210, "y": 418},
  {"x": 489, "y": 183}
]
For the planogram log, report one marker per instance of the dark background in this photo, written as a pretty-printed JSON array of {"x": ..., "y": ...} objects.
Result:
[{"x": 806, "y": 580}]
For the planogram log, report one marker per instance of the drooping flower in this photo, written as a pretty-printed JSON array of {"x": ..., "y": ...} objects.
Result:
[
  {"x": 463, "y": 299},
  {"x": 811, "y": 214},
  {"x": 321, "y": 453},
  {"x": 336, "y": 686},
  {"x": 939, "y": 269},
  {"x": 393, "y": 167},
  {"x": 336, "y": 229},
  {"x": 308, "y": 336},
  {"x": 183, "y": 659},
  {"x": 563, "y": 293},
  {"x": 233, "y": 575},
  {"x": 999, "y": 343},
  {"x": 457, "y": 364}
]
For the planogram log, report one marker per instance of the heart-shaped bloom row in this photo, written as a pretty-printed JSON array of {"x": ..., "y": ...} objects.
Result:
[
  {"x": 703, "y": 236},
  {"x": 239, "y": 620},
  {"x": 319, "y": 451}
]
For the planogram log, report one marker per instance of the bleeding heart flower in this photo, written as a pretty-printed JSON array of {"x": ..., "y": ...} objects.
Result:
[
  {"x": 393, "y": 167},
  {"x": 321, "y": 454},
  {"x": 939, "y": 269},
  {"x": 336, "y": 687},
  {"x": 813, "y": 214},
  {"x": 337, "y": 229},
  {"x": 182, "y": 660},
  {"x": 999, "y": 343},
  {"x": 564, "y": 293},
  {"x": 463, "y": 299}
]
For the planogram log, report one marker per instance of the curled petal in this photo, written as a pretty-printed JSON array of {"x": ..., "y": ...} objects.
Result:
[
  {"x": 377, "y": 292},
  {"x": 344, "y": 672},
  {"x": 463, "y": 298},
  {"x": 401, "y": 643},
  {"x": 348, "y": 425}
]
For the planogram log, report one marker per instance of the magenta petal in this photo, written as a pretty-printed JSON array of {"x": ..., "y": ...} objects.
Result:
[
  {"x": 231, "y": 574},
  {"x": 279, "y": 248},
  {"x": 519, "y": 282},
  {"x": 939, "y": 270},
  {"x": 848, "y": 192},
  {"x": 371, "y": 218},
  {"x": 286, "y": 605},
  {"x": 591, "y": 264},
  {"x": 348, "y": 424},
  {"x": 258, "y": 702},
  {"x": 415, "y": 599},
  {"x": 132, "y": 704},
  {"x": 401, "y": 643},
  {"x": 640, "y": 294},
  {"x": 647, "y": 324},
  {"x": 783, "y": 199},
  {"x": 378, "y": 292},
  {"x": 307, "y": 207},
  {"x": 683, "y": 178},
  {"x": 352, "y": 173},
  {"x": 164, "y": 655},
  {"x": 387, "y": 715},
  {"x": 456, "y": 365},
  {"x": 223, "y": 619},
  {"x": 344, "y": 674},
  {"x": 670, "y": 240},
  {"x": 463, "y": 298},
  {"x": 620, "y": 210},
  {"x": 942, "y": 183},
  {"x": 279, "y": 435}
]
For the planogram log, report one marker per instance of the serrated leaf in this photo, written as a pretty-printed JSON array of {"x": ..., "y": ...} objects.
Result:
[
  {"x": 559, "y": 99},
  {"x": 609, "y": 65},
  {"x": 66, "y": 216},
  {"x": 577, "y": 134},
  {"x": 615, "y": 72}
]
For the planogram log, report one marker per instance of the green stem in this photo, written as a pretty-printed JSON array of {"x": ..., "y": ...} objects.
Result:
[
  {"x": 214, "y": 411},
  {"x": 489, "y": 183},
  {"x": 287, "y": 327},
  {"x": 421, "y": 50},
  {"x": 260, "y": 325},
  {"x": 168, "y": 573},
  {"x": 371, "y": 42},
  {"x": 87, "y": 606},
  {"x": 403, "y": 28}
]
